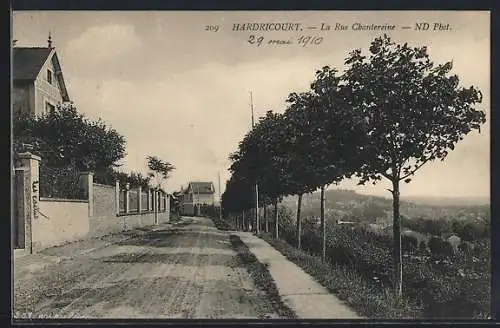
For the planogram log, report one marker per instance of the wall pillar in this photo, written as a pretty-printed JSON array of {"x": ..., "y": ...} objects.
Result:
[
  {"x": 20, "y": 212},
  {"x": 31, "y": 199},
  {"x": 139, "y": 205},
  {"x": 167, "y": 207},
  {"x": 117, "y": 197},
  {"x": 149, "y": 207},
  {"x": 155, "y": 205},
  {"x": 127, "y": 198},
  {"x": 86, "y": 181}
]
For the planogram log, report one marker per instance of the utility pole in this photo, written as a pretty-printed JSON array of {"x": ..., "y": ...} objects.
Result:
[
  {"x": 257, "y": 223},
  {"x": 198, "y": 200},
  {"x": 220, "y": 200}
]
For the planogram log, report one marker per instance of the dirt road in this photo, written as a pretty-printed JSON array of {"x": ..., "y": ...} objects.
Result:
[{"x": 188, "y": 271}]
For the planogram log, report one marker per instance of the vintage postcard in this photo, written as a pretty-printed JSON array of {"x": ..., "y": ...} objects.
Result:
[{"x": 251, "y": 165}]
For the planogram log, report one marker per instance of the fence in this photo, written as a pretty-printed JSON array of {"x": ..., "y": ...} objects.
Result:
[
  {"x": 136, "y": 200},
  {"x": 60, "y": 182},
  {"x": 40, "y": 222}
]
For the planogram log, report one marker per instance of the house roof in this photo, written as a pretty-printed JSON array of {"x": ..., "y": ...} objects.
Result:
[
  {"x": 201, "y": 187},
  {"x": 28, "y": 61}
]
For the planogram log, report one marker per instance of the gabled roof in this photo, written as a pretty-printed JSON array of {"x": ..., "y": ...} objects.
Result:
[
  {"x": 27, "y": 63},
  {"x": 201, "y": 187}
]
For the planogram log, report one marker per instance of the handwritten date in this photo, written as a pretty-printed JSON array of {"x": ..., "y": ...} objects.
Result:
[{"x": 302, "y": 40}]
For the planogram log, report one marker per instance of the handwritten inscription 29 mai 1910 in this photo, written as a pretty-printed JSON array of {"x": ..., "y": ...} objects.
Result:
[{"x": 293, "y": 33}]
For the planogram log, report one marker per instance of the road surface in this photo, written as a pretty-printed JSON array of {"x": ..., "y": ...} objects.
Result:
[{"x": 185, "y": 271}]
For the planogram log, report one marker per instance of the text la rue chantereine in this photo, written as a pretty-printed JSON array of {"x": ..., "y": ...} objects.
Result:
[{"x": 275, "y": 27}]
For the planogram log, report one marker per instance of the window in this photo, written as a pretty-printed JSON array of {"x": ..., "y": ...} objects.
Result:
[
  {"x": 49, "y": 76},
  {"x": 49, "y": 107}
]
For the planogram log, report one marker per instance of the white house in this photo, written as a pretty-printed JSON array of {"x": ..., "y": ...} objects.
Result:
[
  {"x": 38, "y": 82},
  {"x": 197, "y": 194}
]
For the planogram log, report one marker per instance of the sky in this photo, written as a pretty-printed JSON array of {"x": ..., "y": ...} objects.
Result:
[{"x": 182, "y": 93}]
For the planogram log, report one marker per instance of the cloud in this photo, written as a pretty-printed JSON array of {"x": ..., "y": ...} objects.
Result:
[{"x": 101, "y": 48}]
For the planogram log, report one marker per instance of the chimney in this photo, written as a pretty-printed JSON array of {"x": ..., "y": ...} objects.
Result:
[{"x": 49, "y": 41}]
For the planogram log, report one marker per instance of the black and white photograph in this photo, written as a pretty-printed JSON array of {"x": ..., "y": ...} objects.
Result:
[{"x": 254, "y": 165}]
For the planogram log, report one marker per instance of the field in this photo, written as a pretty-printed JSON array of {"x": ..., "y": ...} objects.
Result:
[{"x": 446, "y": 249}]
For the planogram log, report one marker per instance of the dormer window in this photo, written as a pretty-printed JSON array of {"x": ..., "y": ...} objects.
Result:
[{"x": 49, "y": 76}]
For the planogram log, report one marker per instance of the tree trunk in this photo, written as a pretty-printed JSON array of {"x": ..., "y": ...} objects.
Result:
[
  {"x": 276, "y": 234},
  {"x": 396, "y": 229},
  {"x": 323, "y": 225},
  {"x": 243, "y": 220},
  {"x": 257, "y": 221},
  {"x": 266, "y": 219},
  {"x": 299, "y": 223}
]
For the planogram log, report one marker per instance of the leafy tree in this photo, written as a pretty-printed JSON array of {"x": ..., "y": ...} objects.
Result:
[
  {"x": 136, "y": 179},
  {"x": 122, "y": 178},
  {"x": 64, "y": 137},
  {"x": 299, "y": 160},
  {"x": 260, "y": 158},
  {"x": 413, "y": 111},
  {"x": 237, "y": 198},
  {"x": 68, "y": 143},
  {"x": 159, "y": 170},
  {"x": 324, "y": 124}
]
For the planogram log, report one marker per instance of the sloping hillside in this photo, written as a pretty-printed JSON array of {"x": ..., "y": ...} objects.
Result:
[{"x": 370, "y": 209}]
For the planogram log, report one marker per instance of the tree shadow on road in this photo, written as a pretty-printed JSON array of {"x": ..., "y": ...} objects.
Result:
[
  {"x": 175, "y": 237},
  {"x": 185, "y": 259}
]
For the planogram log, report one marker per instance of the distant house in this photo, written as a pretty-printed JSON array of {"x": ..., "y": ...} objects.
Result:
[
  {"x": 38, "y": 82},
  {"x": 195, "y": 195}
]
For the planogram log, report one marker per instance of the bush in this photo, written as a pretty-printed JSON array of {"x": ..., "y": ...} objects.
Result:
[
  {"x": 439, "y": 247},
  {"x": 473, "y": 231},
  {"x": 465, "y": 248},
  {"x": 409, "y": 244},
  {"x": 422, "y": 247},
  {"x": 210, "y": 211}
]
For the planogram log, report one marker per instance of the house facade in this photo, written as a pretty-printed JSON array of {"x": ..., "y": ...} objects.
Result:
[
  {"x": 196, "y": 195},
  {"x": 38, "y": 82}
]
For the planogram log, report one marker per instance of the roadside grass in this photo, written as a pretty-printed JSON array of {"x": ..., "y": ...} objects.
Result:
[
  {"x": 261, "y": 276},
  {"x": 174, "y": 217},
  {"x": 361, "y": 295},
  {"x": 222, "y": 224}
]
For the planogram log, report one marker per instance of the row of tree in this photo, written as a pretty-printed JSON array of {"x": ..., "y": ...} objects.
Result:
[
  {"x": 389, "y": 113},
  {"x": 66, "y": 139}
]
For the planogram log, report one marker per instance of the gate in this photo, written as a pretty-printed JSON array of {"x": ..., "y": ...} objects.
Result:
[
  {"x": 14, "y": 212},
  {"x": 18, "y": 215}
]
